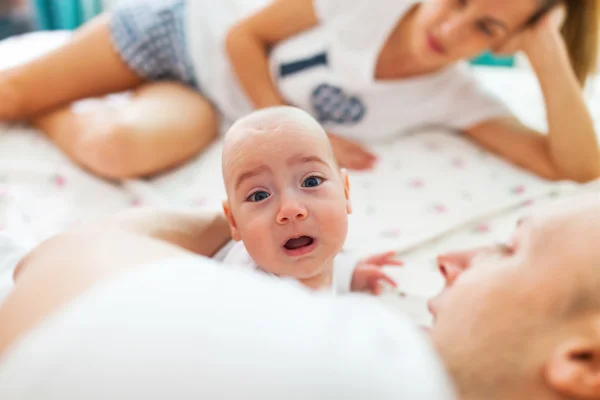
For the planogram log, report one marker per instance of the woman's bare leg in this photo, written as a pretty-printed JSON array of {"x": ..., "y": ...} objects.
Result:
[
  {"x": 86, "y": 66},
  {"x": 161, "y": 126}
]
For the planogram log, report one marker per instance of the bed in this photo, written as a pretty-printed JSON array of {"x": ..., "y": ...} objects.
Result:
[{"x": 432, "y": 190}]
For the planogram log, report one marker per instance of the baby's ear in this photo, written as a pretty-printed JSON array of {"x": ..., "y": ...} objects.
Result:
[
  {"x": 346, "y": 183},
  {"x": 235, "y": 234}
]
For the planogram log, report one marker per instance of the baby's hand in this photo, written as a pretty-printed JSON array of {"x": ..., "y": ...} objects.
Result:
[{"x": 368, "y": 275}]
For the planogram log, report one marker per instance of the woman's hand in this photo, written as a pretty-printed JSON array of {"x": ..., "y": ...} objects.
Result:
[
  {"x": 350, "y": 154},
  {"x": 570, "y": 149},
  {"x": 535, "y": 40}
]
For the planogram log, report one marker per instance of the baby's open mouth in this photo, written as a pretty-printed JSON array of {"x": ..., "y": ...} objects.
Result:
[{"x": 298, "y": 242}]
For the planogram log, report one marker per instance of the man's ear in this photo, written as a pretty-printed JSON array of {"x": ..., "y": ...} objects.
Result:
[
  {"x": 346, "y": 183},
  {"x": 235, "y": 234},
  {"x": 573, "y": 370}
]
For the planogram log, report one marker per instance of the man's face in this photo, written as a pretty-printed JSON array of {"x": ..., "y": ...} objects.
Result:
[{"x": 498, "y": 298}]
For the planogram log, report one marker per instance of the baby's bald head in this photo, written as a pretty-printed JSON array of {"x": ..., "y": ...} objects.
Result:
[
  {"x": 272, "y": 129},
  {"x": 284, "y": 118},
  {"x": 283, "y": 183}
]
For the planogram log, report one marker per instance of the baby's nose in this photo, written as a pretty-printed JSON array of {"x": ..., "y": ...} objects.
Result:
[{"x": 290, "y": 211}]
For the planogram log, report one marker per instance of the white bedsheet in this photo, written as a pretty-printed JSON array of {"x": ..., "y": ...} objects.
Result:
[{"x": 427, "y": 185}]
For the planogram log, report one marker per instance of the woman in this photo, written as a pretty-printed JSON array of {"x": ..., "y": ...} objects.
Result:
[{"x": 364, "y": 69}]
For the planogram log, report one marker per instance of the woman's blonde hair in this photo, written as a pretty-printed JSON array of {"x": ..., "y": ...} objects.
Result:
[{"x": 581, "y": 32}]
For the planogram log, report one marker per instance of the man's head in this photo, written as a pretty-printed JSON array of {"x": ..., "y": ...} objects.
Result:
[
  {"x": 286, "y": 199},
  {"x": 522, "y": 320}
]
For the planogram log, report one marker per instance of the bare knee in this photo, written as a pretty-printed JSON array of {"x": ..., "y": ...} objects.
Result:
[{"x": 109, "y": 150}]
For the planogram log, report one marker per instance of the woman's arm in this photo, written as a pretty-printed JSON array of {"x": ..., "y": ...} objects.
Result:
[
  {"x": 249, "y": 41},
  {"x": 570, "y": 150},
  {"x": 248, "y": 45}
]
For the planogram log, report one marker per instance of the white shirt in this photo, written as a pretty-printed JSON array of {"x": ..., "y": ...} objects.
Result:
[
  {"x": 190, "y": 329},
  {"x": 329, "y": 71},
  {"x": 235, "y": 254}
]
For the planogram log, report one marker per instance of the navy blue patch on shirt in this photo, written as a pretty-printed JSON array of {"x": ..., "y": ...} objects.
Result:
[
  {"x": 331, "y": 104},
  {"x": 300, "y": 65}
]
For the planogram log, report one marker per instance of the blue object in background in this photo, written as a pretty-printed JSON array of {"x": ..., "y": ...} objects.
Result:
[
  {"x": 491, "y": 60},
  {"x": 90, "y": 8},
  {"x": 13, "y": 25},
  {"x": 65, "y": 14}
]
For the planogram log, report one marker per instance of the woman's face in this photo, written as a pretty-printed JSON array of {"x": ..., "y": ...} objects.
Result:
[{"x": 450, "y": 30}]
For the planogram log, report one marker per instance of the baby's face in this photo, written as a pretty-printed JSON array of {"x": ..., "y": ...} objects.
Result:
[{"x": 287, "y": 201}]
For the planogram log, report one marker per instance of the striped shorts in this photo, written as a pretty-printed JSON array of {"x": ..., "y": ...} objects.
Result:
[{"x": 150, "y": 37}]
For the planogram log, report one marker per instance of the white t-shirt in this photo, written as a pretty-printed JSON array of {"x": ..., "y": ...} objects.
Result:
[
  {"x": 190, "y": 329},
  {"x": 329, "y": 71},
  {"x": 235, "y": 254}
]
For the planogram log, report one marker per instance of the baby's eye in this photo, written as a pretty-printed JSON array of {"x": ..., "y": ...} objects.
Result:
[
  {"x": 257, "y": 196},
  {"x": 312, "y": 181}
]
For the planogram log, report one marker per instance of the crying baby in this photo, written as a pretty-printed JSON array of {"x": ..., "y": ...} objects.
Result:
[{"x": 288, "y": 204}]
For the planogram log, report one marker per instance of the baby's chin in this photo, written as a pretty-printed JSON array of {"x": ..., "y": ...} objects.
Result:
[{"x": 302, "y": 269}]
